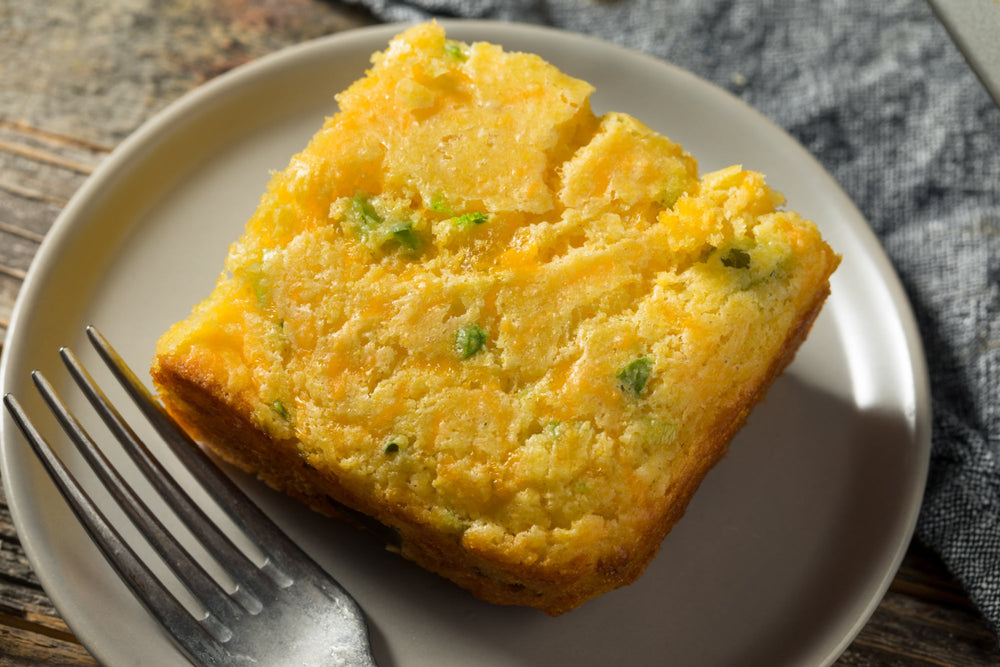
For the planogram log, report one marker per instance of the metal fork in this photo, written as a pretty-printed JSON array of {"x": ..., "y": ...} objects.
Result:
[{"x": 284, "y": 612}]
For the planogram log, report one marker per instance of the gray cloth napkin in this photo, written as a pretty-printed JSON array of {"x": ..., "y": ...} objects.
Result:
[{"x": 880, "y": 95}]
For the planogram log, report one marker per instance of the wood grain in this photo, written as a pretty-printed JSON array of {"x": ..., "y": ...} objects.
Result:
[{"x": 78, "y": 77}]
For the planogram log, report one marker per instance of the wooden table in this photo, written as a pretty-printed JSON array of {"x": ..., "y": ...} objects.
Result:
[{"x": 76, "y": 78}]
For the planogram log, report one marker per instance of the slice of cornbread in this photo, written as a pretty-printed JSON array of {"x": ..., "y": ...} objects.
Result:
[{"x": 516, "y": 334}]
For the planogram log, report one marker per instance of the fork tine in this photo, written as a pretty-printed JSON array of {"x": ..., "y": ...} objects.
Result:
[
  {"x": 253, "y": 588},
  {"x": 190, "y": 635},
  {"x": 282, "y": 551},
  {"x": 190, "y": 571}
]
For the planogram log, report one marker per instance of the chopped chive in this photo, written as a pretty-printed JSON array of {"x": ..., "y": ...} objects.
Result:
[
  {"x": 374, "y": 231},
  {"x": 671, "y": 194},
  {"x": 282, "y": 411},
  {"x": 253, "y": 274},
  {"x": 404, "y": 235},
  {"x": 454, "y": 50},
  {"x": 469, "y": 340},
  {"x": 634, "y": 375},
  {"x": 259, "y": 291},
  {"x": 469, "y": 219},
  {"x": 736, "y": 259},
  {"x": 391, "y": 448},
  {"x": 438, "y": 204},
  {"x": 365, "y": 213}
]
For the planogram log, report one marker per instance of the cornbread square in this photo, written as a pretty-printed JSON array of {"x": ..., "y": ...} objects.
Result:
[{"x": 515, "y": 334}]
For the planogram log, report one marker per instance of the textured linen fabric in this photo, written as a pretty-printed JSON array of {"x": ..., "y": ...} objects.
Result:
[{"x": 881, "y": 96}]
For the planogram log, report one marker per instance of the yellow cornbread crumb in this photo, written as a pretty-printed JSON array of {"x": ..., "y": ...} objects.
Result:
[{"x": 515, "y": 333}]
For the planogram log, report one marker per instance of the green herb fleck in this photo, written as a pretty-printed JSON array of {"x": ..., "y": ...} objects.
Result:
[
  {"x": 467, "y": 220},
  {"x": 454, "y": 50},
  {"x": 365, "y": 214},
  {"x": 259, "y": 290},
  {"x": 376, "y": 232},
  {"x": 403, "y": 234},
  {"x": 438, "y": 204},
  {"x": 469, "y": 340},
  {"x": 634, "y": 375},
  {"x": 454, "y": 523},
  {"x": 253, "y": 274},
  {"x": 391, "y": 448},
  {"x": 736, "y": 259},
  {"x": 282, "y": 411},
  {"x": 671, "y": 193}
]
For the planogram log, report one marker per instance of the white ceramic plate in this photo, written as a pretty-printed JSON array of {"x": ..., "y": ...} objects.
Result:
[{"x": 784, "y": 552}]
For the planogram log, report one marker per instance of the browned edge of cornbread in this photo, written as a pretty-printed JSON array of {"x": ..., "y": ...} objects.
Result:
[{"x": 229, "y": 431}]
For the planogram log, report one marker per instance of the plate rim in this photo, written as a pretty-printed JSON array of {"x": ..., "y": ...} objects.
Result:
[{"x": 72, "y": 220}]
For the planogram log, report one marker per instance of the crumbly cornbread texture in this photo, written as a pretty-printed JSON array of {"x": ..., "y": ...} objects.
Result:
[{"x": 516, "y": 334}]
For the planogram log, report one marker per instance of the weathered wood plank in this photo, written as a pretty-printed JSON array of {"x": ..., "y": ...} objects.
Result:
[
  {"x": 20, "y": 132},
  {"x": 924, "y": 619},
  {"x": 14, "y": 140},
  {"x": 96, "y": 74},
  {"x": 31, "y": 645},
  {"x": 907, "y": 630},
  {"x": 17, "y": 250},
  {"x": 28, "y": 216},
  {"x": 9, "y": 287},
  {"x": 21, "y": 594},
  {"x": 37, "y": 179}
]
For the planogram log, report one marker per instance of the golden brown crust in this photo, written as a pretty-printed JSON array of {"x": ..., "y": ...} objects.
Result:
[{"x": 231, "y": 433}]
